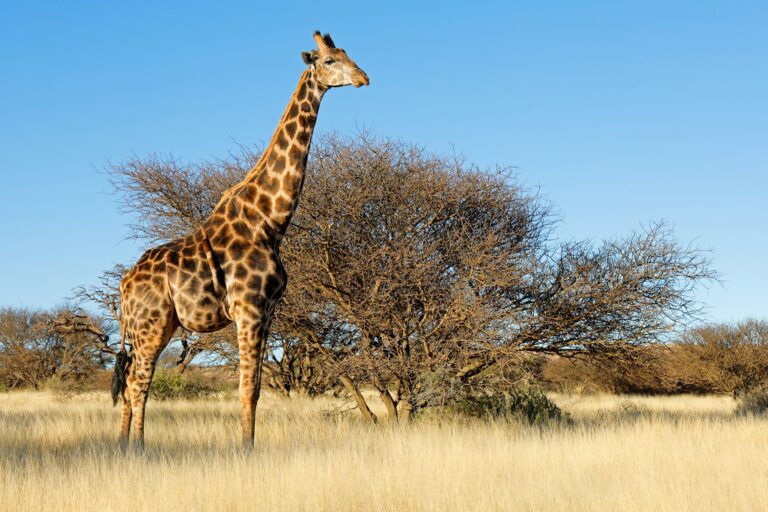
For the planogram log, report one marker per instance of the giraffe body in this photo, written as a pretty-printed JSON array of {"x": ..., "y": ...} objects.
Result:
[{"x": 228, "y": 270}]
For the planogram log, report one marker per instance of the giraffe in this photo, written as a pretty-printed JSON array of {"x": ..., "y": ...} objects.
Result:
[{"x": 228, "y": 269}]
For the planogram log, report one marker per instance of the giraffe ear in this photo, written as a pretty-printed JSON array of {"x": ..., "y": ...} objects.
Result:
[{"x": 308, "y": 57}]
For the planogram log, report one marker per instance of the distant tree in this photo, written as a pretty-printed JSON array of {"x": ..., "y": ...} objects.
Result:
[
  {"x": 650, "y": 369},
  {"x": 729, "y": 358},
  {"x": 724, "y": 357},
  {"x": 37, "y": 345}
]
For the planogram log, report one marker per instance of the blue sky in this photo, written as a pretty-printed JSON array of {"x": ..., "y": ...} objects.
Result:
[{"x": 620, "y": 112}]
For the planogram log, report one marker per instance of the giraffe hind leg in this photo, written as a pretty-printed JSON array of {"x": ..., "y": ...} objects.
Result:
[
  {"x": 146, "y": 351},
  {"x": 120, "y": 388},
  {"x": 125, "y": 421},
  {"x": 139, "y": 380}
]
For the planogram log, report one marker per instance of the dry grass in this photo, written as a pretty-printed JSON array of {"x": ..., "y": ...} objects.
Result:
[{"x": 635, "y": 454}]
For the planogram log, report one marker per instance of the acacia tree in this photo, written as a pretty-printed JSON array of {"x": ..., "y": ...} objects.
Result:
[
  {"x": 442, "y": 273},
  {"x": 409, "y": 269},
  {"x": 397, "y": 246}
]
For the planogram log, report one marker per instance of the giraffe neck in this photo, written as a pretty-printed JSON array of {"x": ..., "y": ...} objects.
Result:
[
  {"x": 265, "y": 200},
  {"x": 272, "y": 188}
]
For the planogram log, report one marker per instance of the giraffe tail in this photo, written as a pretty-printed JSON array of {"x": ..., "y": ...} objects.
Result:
[{"x": 122, "y": 362}]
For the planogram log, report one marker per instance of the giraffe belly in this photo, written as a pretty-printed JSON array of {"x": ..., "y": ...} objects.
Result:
[
  {"x": 200, "y": 307},
  {"x": 202, "y": 317}
]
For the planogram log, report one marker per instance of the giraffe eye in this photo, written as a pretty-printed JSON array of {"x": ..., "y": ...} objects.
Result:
[{"x": 329, "y": 61}]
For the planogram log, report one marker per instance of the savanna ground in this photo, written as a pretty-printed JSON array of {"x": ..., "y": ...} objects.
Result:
[{"x": 618, "y": 453}]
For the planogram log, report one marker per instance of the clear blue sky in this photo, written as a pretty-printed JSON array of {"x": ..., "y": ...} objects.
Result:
[{"x": 621, "y": 112}]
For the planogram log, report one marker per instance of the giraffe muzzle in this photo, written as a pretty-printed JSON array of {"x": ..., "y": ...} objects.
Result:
[{"x": 362, "y": 80}]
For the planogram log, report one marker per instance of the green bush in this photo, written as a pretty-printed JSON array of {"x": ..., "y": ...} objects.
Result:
[
  {"x": 172, "y": 385},
  {"x": 500, "y": 398},
  {"x": 529, "y": 405},
  {"x": 754, "y": 403}
]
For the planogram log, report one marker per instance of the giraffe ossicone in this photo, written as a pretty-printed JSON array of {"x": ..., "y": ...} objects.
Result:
[{"x": 227, "y": 270}]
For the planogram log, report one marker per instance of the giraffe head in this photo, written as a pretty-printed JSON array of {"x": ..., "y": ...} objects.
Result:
[{"x": 333, "y": 68}]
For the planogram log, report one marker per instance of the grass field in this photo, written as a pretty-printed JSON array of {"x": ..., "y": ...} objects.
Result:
[{"x": 619, "y": 453}]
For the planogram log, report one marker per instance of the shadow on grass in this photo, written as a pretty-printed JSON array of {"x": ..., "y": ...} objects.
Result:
[{"x": 70, "y": 437}]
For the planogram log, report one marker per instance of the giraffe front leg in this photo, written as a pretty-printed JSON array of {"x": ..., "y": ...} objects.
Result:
[{"x": 251, "y": 336}]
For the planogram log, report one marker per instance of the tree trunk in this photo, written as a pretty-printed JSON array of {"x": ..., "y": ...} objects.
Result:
[
  {"x": 390, "y": 404},
  {"x": 405, "y": 410},
  {"x": 386, "y": 397},
  {"x": 404, "y": 405},
  {"x": 359, "y": 399}
]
